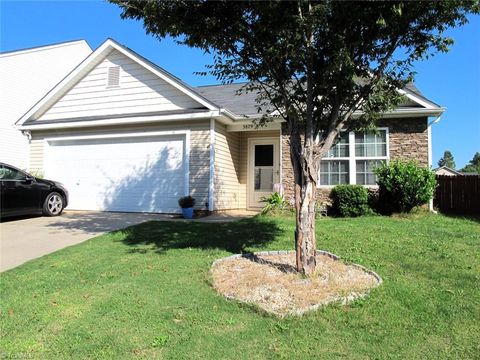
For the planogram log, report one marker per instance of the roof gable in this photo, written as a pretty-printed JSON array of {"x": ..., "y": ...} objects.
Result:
[{"x": 145, "y": 88}]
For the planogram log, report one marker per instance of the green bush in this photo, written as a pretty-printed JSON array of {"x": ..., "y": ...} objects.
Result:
[
  {"x": 404, "y": 185},
  {"x": 273, "y": 202},
  {"x": 350, "y": 200}
]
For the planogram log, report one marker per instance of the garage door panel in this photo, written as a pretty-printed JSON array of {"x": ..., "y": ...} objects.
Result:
[{"x": 123, "y": 174}]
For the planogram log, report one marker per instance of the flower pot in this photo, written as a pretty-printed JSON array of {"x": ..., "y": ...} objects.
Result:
[{"x": 187, "y": 213}]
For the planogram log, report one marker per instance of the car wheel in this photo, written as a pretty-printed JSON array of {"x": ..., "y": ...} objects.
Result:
[{"x": 53, "y": 205}]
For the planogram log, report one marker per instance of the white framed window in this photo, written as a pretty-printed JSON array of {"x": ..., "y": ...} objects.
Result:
[{"x": 352, "y": 159}]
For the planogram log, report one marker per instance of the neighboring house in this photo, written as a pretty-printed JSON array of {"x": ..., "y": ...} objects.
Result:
[
  {"x": 445, "y": 170},
  {"x": 123, "y": 134},
  {"x": 26, "y": 76}
]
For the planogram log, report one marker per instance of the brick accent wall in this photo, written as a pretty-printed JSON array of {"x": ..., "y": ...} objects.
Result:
[{"x": 408, "y": 140}]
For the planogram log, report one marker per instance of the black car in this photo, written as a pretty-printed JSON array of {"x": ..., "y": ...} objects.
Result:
[{"x": 23, "y": 194}]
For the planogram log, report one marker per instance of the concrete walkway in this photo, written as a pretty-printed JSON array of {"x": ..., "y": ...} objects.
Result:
[{"x": 24, "y": 239}]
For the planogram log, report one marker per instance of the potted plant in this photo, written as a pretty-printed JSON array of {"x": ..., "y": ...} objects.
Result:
[{"x": 187, "y": 203}]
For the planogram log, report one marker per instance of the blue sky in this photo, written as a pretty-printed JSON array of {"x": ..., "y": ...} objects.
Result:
[{"x": 451, "y": 80}]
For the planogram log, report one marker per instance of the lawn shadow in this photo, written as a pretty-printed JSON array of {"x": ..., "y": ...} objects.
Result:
[
  {"x": 461, "y": 216},
  {"x": 235, "y": 237}
]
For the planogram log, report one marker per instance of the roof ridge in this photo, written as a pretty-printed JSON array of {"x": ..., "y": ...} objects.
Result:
[{"x": 42, "y": 47}]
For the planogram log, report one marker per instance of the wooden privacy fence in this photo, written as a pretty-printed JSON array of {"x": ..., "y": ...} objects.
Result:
[{"x": 459, "y": 194}]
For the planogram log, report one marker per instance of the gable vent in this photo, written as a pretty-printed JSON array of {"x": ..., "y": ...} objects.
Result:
[{"x": 113, "y": 78}]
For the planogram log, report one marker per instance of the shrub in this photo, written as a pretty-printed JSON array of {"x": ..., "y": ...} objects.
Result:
[
  {"x": 186, "y": 202},
  {"x": 404, "y": 185},
  {"x": 273, "y": 202},
  {"x": 350, "y": 200}
]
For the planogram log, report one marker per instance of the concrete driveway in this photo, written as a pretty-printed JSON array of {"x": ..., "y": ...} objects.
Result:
[{"x": 24, "y": 239}]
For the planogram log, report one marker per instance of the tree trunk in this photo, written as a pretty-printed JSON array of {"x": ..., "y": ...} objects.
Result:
[{"x": 305, "y": 196}]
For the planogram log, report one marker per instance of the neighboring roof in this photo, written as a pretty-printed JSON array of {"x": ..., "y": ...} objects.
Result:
[
  {"x": 44, "y": 47},
  {"x": 447, "y": 169}
]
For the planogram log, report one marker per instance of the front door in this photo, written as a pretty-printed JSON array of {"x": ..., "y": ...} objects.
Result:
[{"x": 263, "y": 169}]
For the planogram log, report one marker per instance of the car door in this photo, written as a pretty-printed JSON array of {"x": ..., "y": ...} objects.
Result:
[{"x": 20, "y": 195}]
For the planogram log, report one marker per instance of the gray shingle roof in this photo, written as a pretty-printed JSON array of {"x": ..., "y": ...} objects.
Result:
[{"x": 226, "y": 97}]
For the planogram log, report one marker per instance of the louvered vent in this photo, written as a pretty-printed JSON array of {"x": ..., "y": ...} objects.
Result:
[{"x": 113, "y": 76}]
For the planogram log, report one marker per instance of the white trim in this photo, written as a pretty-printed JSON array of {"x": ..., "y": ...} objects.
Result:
[
  {"x": 187, "y": 160},
  {"x": 250, "y": 126},
  {"x": 276, "y": 162},
  {"x": 86, "y": 65},
  {"x": 211, "y": 178},
  {"x": 186, "y": 155},
  {"x": 412, "y": 96},
  {"x": 119, "y": 121},
  {"x": 429, "y": 139},
  {"x": 118, "y": 135},
  {"x": 280, "y": 162},
  {"x": 352, "y": 159}
]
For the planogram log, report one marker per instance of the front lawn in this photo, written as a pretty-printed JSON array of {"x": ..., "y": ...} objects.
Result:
[{"x": 144, "y": 292}]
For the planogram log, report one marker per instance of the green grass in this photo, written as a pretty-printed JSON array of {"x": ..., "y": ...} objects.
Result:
[{"x": 144, "y": 292}]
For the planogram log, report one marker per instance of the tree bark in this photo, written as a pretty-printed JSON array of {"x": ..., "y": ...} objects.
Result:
[{"x": 303, "y": 163}]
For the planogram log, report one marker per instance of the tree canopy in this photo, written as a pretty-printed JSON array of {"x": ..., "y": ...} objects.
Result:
[
  {"x": 473, "y": 165},
  {"x": 447, "y": 160},
  {"x": 323, "y": 66}
]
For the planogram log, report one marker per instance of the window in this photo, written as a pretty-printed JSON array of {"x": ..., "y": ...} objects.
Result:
[
  {"x": 7, "y": 173},
  {"x": 334, "y": 168},
  {"x": 352, "y": 159},
  {"x": 263, "y": 169},
  {"x": 113, "y": 76}
]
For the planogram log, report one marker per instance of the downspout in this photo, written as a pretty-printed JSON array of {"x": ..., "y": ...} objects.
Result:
[
  {"x": 429, "y": 136},
  {"x": 28, "y": 134},
  {"x": 211, "y": 179}
]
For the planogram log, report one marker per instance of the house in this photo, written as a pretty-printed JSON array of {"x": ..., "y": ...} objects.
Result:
[
  {"x": 445, "y": 170},
  {"x": 123, "y": 134},
  {"x": 26, "y": 76}
]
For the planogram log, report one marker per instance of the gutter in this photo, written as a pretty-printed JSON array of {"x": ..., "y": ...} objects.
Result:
[
  {"x": 119, "y": 121},
  {"x": 429, "y": 136}
]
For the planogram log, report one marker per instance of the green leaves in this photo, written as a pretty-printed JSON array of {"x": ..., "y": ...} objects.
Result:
[
  {"x": 350, "y": 200},
  {"x": 404, "y": 185}
]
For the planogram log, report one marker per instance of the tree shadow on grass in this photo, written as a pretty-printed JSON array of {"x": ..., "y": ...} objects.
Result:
[
  {"x": 461, "y": 216},
  {"x": 235, "y": 237}
]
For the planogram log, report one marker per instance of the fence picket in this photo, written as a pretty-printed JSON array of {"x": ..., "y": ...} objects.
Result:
[{"x": 459, "y": 194}]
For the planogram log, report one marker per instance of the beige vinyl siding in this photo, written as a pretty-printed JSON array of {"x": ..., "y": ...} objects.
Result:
[
  {"x": 138, "y": 89},
  {"x": 227, "y": 168},
  {"x": 243, "y": 174},
  {"x": 199, "y": 149}
]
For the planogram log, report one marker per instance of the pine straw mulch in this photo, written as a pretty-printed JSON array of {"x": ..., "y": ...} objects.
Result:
[{"x": 269, "y": 280}]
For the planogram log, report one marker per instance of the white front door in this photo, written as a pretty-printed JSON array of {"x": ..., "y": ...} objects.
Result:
[{"x": 263, "y": 169}]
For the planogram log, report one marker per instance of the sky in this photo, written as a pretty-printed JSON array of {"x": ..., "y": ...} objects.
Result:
[{"x": 451, "y": 80}]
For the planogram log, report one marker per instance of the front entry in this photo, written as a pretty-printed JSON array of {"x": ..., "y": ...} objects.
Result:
[{"x": 263, "y": 169}]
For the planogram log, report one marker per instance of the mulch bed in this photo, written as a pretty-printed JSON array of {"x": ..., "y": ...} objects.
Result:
[{"x": 269, "y": 280}]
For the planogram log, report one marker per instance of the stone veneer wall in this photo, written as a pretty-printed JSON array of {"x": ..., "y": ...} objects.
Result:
[{"x": 408, "y": 140}]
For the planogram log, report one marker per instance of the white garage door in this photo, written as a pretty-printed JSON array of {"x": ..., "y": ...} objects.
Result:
[{"x": 138, "y": 174}]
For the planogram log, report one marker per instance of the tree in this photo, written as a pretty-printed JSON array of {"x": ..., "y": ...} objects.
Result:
[
  {"x": 447, "y": 160},
  {"x": 322, "y": 65},
  {"x": 473, "y": 165}
]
